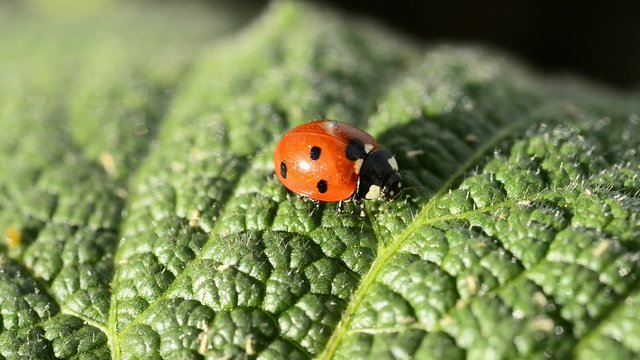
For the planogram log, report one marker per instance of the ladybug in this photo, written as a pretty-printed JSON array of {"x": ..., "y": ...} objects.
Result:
[{"x": 328, "y": 160}]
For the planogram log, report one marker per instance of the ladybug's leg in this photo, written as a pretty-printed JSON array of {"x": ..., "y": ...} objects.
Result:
[
  {"x": 360, "y": 204},
  {"x": 340, "y": 207},
  {"x": 315, "y": 203},
  {"x": 308, "y": 199}
]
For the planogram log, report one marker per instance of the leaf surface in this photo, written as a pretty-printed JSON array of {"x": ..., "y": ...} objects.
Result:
[{"x": 142, "y": 219}]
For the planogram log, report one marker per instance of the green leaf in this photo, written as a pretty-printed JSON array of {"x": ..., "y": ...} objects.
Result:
[{"x": 141, "y": 216}]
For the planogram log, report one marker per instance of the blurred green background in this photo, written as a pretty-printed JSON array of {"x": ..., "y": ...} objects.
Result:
[{"x": 598, "y": 41}]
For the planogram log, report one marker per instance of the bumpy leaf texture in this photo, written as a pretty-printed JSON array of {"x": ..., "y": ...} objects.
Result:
[{"x": 141, "y": 217}]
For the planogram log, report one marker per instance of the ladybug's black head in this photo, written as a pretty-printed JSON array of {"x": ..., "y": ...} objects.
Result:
[{"x": 379, "y": 176}]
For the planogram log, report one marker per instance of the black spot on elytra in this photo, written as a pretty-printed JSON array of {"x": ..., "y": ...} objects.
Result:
[
  {"x": 283, "y": 170},
  {"x": 355, "y": 150},
  {"x": 322, "y": 186},
  {"x": 315, "y": 153}
]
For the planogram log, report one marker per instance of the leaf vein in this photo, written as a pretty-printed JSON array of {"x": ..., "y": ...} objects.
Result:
[{"x": 420, "y": 220}]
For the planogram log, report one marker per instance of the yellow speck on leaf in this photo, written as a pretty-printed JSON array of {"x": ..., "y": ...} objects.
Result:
[
  {"x": 13, "y": 237},
  {"x": 194, "y": 218},
  {"x": 471, "y": 138},
  {"x": 543, "y": 323},
  {"x": 203, "y": 338},
  {"x": 108, "y": 164},
  {"x": 249, "y": 346},
  {"x": 472, "y": 283},
  {"x": 602, "y": 247}
]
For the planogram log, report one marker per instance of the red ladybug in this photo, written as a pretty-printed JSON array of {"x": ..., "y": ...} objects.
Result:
[{"x": 331, "y": 161}]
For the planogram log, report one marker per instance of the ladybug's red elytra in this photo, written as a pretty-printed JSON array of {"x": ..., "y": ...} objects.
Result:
[{"x": 328, "y": 160}]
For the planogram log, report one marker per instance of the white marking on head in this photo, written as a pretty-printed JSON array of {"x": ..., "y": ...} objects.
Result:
[
  {"x": 368, "y": 148},
  {"x": 357, "y": 165},
  {"x": 399, "y": 184},
  {"x": 373, "y": 193},
  {"x": 393, "y": 163},
  {"x": 392, "y": 192}
]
